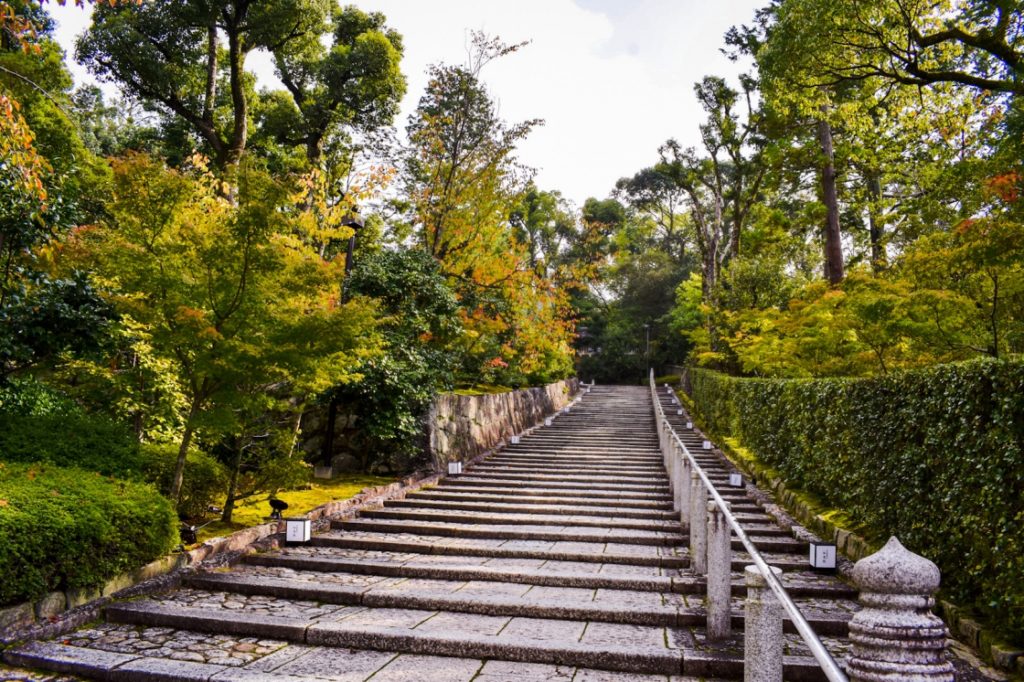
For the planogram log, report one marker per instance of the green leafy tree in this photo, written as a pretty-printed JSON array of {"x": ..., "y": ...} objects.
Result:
[
  {"x": 420, "y": 325},
  {"x": 169, "y": 55},
  {"x": 224, "y": 291},
  {"x": 351, "y": 86}
]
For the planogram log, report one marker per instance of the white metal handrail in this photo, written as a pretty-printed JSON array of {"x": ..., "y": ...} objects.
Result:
[{"x": 828, "y": 664}]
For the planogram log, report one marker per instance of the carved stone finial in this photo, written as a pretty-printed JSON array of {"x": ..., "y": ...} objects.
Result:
[{"x": 895, "y": 635}]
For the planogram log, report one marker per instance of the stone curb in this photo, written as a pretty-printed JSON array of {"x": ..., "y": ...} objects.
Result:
[{"x": 986, "y": 642}]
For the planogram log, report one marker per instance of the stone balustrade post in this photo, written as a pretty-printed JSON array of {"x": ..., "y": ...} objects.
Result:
[
  {"x": 698, "y": 525},
  {"x": 684, "y": 489},
  {"x": 680, "y": 482},
  {"x": 762, "y": 629},
  {"x": 661, "y": 442},
  {"x": 895, "y": 635},
  {"x": 719, "y": 579}
]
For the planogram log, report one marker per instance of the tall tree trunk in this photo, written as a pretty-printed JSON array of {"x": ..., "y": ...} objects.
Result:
[
  {"x": 240, "y": 120},
  {"x": 186, "y": 441},
  {"x": 876, "y": 231},
  {"x": 296, "y": 430},
  {"x": 210, "y": 97},
  {"x": 833, "y": 237},
  {"x": 229, "y": 501}
]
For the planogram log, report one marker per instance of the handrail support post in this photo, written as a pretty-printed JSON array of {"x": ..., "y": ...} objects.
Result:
[
  {"x": 719, "y": 579},
  {"x": 762, "y": 629},
  {"x": 698, "y": 526}
]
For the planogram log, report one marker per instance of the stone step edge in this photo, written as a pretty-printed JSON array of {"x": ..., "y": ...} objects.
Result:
[
  {"x": 469, "y": 531},
  {"x": 679, "y": 561},
  {"x": 541, "y": 491},
  {"x": 499, "y": 517},
  {"x": 337, "y": 634},
  {"x": 513, "y": 505},
  {"x": 108, "y": 665},
  {"x": 489, "y": 496},
  {"x": 534, "y": 519},
  {"x": 509, "y": 507},
  {"x": 346, "y": 595},
  {"x": 404, "y": 546},
  {"x": 525, "y": 480},
  {"x": 688, "y": 584},
  {"x": 774, "y": 543}
]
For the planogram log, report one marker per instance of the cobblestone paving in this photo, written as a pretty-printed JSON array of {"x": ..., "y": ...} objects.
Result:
[
  {"x": 179, "y": 645},
  {"x": 9, "y": 674}
]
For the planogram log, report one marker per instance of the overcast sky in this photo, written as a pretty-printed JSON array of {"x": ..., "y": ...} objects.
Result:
[{"x": 613, "y": 79}]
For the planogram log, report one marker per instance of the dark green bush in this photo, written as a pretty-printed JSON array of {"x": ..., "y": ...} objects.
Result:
[
  {"x": 935, "y": 457},
  {"x": 68, "y": 528},
  {"x": 73, "y": 439},
  {"x": 204, "y": 482}
]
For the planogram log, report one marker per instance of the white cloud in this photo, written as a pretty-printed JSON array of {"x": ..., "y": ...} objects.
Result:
[{"x": 612, "y": 79}]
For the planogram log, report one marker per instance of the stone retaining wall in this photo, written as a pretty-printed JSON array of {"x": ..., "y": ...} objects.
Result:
[{"x": 462, "y": 427}]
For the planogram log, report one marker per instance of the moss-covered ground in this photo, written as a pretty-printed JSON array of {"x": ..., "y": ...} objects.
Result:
[{"x": 255, "y": 510}]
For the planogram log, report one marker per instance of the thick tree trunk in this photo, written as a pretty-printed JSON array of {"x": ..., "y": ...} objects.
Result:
[
  {"x": 833, "y": 237},
  {"x": 876, "y": 231}
]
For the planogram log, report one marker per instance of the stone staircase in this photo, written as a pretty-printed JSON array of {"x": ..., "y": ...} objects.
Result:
[{"x": 559, "y": 558}]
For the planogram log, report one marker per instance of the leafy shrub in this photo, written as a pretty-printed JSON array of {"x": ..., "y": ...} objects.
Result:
[
  {"x": 29, "y": 396},
  {"x": 935, "y": 457},
  {"x": 67, "y": 528},
  {"x": 69, "y": 439},
  {"x": 204, "y": 481}
]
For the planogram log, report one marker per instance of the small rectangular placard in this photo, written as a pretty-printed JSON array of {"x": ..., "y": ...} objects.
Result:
[
  {"x": 454, "y": 468},
  {"x": 823, "y": 556},
  {"x": 297, "y": 530},
  {"x": 707, "y": 445},
  {"x": 735, "y": 480}
]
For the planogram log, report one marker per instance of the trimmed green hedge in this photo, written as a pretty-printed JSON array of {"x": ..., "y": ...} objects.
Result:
[
  {"x": 935, "y": 457},
  {"x": 68, "y": 528},
  {"x": 73, "y": 439}
]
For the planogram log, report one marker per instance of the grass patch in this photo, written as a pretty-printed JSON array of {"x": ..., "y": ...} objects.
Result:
[
  {"x": 481, "y": 389},
  {"x": 255, "y": 510}
]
